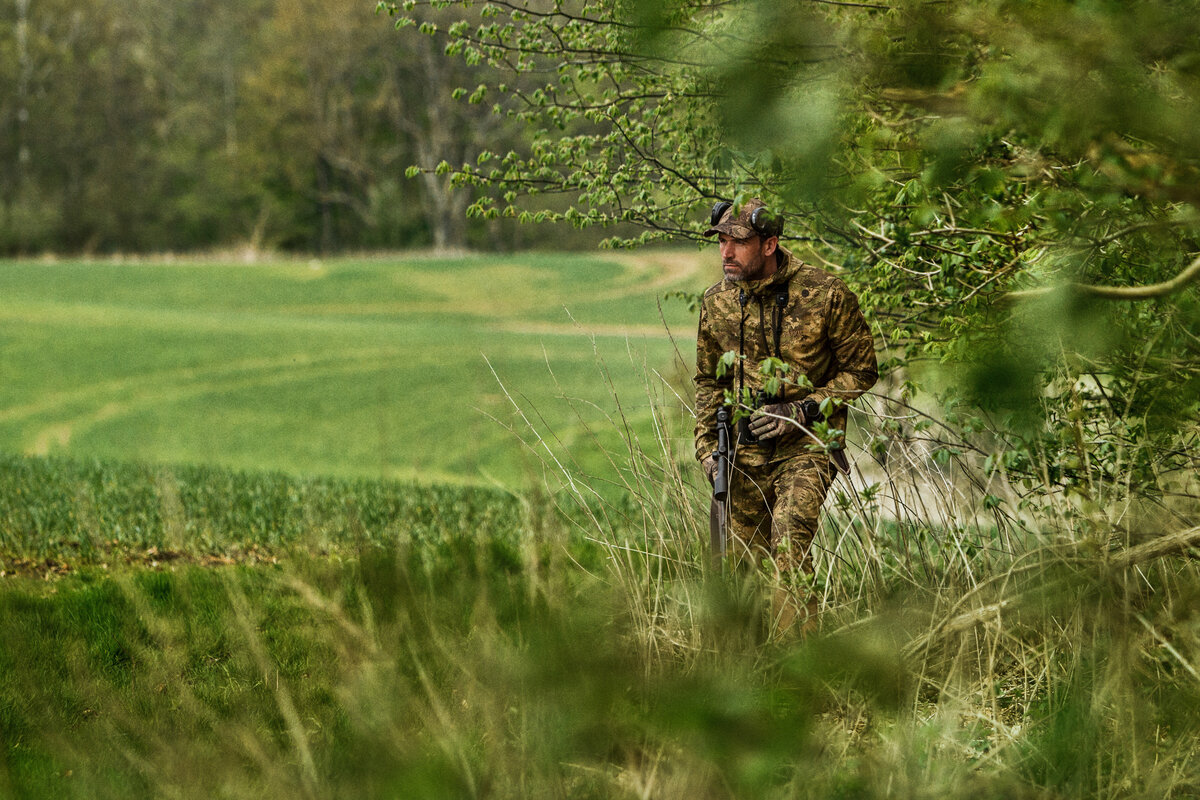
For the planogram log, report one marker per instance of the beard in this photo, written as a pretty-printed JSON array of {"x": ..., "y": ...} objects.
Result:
[{"x": 739, "y": 271}]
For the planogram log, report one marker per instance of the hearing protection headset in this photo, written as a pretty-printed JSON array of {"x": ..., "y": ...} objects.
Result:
[{"x": 765, "y": 222}]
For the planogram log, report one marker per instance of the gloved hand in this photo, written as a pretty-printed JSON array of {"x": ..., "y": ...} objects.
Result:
[
  {"x": 709, "y": 465},
  {"x": 766, "y": 422}
]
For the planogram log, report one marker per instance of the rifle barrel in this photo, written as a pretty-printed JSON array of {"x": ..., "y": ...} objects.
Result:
[{"x": 721, "y": 480}]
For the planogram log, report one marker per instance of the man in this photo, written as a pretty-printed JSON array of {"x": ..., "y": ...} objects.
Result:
[{"x": 771, "y": 305}]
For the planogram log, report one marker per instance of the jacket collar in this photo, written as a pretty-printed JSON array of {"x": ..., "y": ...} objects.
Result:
[{"x": 787, "y": 268}]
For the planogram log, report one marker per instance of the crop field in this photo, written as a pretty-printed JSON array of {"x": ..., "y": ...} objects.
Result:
[
  {"x": 200, "y": 632},
  {"x": 408, "y": 367}
]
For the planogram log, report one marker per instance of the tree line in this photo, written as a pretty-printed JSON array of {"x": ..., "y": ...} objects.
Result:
[{"x": 169, "y": 125}]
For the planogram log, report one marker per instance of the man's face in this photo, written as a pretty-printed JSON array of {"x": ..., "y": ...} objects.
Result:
[{"x": 745, "y": 259}]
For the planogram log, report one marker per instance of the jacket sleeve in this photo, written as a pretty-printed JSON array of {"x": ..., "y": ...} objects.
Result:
[
  {"x": 855, "y": 368},
  {"x": 710, "y": 392}
]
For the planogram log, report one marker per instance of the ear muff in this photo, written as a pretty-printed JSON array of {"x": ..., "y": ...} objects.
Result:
[
  {"x": 766, "y": 222},
  {"x": 718, "y": 211}
]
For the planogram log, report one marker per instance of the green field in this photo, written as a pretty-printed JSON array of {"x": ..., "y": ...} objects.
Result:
[
  {"x": 249, "y": 549},
  {"x": 369, "y": 367}
]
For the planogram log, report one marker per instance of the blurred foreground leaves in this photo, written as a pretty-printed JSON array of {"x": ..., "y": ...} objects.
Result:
[{"x": 490, "y": 665}]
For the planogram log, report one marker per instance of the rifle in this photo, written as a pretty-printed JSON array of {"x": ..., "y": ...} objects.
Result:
[{"x": 717, "y": 510}]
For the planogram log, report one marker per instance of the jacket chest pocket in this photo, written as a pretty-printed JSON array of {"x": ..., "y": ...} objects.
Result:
[{"x": 804, "y": 334}]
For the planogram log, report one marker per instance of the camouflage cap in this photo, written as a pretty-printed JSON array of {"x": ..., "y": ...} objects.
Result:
[{"x": 739, "y": 227}]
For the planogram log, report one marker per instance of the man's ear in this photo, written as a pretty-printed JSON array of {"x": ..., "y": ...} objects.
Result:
[{"x": 769, "y": 245}]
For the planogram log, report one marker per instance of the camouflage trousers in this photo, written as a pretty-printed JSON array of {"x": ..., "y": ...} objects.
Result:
[{"x": 773, "y": 510}]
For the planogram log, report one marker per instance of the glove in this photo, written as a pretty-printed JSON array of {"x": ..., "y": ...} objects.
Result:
[
  {"x": 766, "y": 422},
  {"x": 709, "y": 465}
]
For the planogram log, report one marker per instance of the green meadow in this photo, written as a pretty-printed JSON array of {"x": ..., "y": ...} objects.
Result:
[
  {"x": 408, "y": 367},
  {"x": 429, "y": 528}
]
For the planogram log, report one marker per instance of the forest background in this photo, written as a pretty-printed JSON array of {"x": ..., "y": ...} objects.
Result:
[{"x": 160, "y": 126}]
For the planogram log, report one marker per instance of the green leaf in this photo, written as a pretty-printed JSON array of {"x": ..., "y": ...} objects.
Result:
[{"x": 726, "y": 362}]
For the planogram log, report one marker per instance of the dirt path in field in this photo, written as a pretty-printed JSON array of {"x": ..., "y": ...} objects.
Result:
[
  {"x": 668, "y": 269},
  {"x": 59, "y": 434}
]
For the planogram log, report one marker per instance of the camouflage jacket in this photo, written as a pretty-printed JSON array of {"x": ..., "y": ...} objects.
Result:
[{"x": 822, "y": 336}]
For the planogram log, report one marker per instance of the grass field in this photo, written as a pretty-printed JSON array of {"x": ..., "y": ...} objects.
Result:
[
  {"x": 248, "y": 549},
  {"x": 203, "y": 633},
  {"x": 377, "y": 367}
]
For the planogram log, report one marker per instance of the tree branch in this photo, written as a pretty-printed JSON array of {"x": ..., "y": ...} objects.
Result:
[
  {"x": 1176, "y": 543},
  {"x": 1192, "y": 273}
]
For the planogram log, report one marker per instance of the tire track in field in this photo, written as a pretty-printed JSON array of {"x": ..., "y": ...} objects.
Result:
[
  {"x": 147, "y": 390},
  {"x": 672, "y": 269},
  {"x": 88, "y": 392},
  {"x": 582, "y": 330},
  {"x": 641, "y": 274}
]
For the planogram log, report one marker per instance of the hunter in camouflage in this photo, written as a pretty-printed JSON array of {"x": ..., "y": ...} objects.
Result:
[{"x": 771, "y": 305}]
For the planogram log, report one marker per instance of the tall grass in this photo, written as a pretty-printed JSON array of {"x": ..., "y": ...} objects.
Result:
[
  {"x": 977, "y": 633},
  {"x": 580, "y": 644}
]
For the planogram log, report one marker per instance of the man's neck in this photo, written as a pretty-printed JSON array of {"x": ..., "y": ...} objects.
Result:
[{"x": 772, "y": 265}]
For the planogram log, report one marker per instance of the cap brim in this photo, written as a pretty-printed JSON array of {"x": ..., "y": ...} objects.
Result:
[{"x": 732, "y": 229}]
